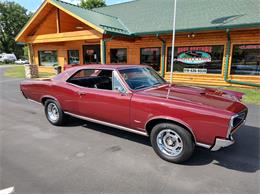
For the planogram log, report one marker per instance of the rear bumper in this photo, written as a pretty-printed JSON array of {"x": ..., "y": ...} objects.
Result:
[{"x": 222, "y": 143}]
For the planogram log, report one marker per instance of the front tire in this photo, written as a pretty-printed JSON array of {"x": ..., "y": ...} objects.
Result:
[
  {"x": 172, "y": 142},
  {"x": 54, "y": 113}
]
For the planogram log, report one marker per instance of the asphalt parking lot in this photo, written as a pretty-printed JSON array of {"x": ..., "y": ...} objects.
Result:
[{"x": 36, "y": 157}]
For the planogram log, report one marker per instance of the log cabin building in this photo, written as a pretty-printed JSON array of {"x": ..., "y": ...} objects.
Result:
[{"x": 217, "y": 41}]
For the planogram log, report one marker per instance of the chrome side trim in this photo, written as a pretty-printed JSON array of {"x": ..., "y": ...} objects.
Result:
[
  {"x": 203, "y": 145},
  {"x": 221, "y": 143},
  {"x": 107, "y": 124}
]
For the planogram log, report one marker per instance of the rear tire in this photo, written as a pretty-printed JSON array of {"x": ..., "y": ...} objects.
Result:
[
  {"x": 172, "y": 142},
  {"x": 54, "y": 113}
]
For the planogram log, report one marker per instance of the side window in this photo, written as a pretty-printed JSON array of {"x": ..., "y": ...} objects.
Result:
[
  {"x": 84, "y": 73},
  {"x": 117, "y": 86},
  {"x": 92, "y": 78}
]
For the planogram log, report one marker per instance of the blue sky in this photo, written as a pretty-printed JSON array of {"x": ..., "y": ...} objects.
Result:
[{"x": 32, "y": 5}]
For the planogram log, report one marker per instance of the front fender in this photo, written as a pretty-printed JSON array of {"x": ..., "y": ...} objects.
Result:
[{"x": 175, "y": 120}]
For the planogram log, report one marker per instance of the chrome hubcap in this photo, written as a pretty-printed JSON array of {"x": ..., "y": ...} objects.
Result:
[
  {"x": 169, "y": 142},
  {"x": 53, "y": 112}
]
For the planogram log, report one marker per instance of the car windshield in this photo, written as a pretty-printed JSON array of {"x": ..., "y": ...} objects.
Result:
[{"x": 141, "y": 78}]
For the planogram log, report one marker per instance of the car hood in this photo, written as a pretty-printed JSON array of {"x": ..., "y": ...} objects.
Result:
[{"x": 220, "y": 99}]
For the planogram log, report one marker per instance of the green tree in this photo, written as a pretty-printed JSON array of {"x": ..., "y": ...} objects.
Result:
[
  {"x": 90, "y": 4},
  {"x": 12, "y": 19}
]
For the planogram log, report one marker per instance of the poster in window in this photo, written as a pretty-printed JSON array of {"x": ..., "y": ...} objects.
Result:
[{"x": 197, "y": 59}]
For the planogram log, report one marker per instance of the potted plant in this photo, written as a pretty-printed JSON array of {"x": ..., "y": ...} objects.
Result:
[{"x": 57, "y": 68}]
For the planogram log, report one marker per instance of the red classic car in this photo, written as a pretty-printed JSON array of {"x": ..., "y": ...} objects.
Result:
[{"x": 137, "y": 99}]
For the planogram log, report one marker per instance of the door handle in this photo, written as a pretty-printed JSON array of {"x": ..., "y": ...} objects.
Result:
[{"x": 82, "y": 93}]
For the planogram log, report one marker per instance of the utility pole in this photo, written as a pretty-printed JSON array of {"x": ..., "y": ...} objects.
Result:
[{"x": 173, "y": 37}]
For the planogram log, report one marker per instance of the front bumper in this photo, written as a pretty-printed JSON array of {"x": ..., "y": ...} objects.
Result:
[
  {"x": 222, "y": 143},
  {"x": 225, "y": 142}
]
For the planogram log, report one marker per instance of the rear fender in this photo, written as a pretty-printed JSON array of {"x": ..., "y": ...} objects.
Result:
[{"x": 44, "y": 98}]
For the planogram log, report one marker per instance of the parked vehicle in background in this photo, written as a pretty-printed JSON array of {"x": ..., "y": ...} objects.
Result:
[
  {"x": 7, "y": 58},
  {"x": 137, "y": 99},
  {"x": 20, "y": 61}
]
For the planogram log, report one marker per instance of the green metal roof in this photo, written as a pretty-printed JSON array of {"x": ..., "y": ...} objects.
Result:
[
  {"x": 155, "y": 16},
  {"x": 104, "y": 21},
  {"x": 143, "y": 17}
]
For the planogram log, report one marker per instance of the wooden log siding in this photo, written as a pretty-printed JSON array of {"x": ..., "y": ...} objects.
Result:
[
  {"x": 62, "y": 52},
  {"x": 210, "y": 38},
  {"x": 133, "y": 46},
  {"x": 66, "y": 36}
]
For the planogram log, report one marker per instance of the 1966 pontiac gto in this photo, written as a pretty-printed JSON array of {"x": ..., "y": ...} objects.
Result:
[{"x": 137, "y": 99}]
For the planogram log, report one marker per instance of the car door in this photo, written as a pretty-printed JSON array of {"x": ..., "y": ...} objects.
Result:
[{"x": 106, "y": 105}]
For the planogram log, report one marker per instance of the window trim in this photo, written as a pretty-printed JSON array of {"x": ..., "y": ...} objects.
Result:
[
  {"x": 118, "y": 49},
  {"x": 198, "y": 45},
  {"x": 113, "y": 72},
  {"x": 231, "y": 59},
  {"x": 39, "y": 57},
  {"x": 68, "y": 56},
  {"x": 160, "y": 49}
]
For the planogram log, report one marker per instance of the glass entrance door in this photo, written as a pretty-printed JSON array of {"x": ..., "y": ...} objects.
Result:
[{"x": 91, "y": 54}]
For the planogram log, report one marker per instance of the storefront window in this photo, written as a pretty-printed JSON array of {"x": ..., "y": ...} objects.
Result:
[
  {"x": 246, "y": 60},
  {"x": 196, "y": 59},
  {"x": 48, "y": 58},
  {"x": 73, "y": 56},
  {"x": 118, "y": 55},
  {"x": 151, "y": 57}
]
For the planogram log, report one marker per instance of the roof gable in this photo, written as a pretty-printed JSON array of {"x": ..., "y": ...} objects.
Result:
[{"x": 102, "y": 23}]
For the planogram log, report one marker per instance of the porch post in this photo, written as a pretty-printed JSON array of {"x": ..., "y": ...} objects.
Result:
[
  {"x": 163, "y": 54},
  {"x": 30, "y": 53},
  {"x": 103, "y": 51},
  {"x": 163, "y": 58}
]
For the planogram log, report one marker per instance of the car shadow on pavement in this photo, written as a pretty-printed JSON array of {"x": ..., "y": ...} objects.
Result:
[
  {"x": 243, "y": 156},
  {"x": 109, "y": 130}
]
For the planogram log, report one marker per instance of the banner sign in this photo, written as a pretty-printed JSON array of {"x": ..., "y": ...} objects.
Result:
[{"x": 194, "y": 57}]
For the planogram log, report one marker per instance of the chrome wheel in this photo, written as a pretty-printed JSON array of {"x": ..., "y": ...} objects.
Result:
[
  {"x": 53, "y": 112},
  {"x": 169, "y": 142}
]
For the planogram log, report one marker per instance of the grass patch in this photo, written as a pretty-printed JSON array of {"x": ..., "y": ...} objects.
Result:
[
  {"x": 15, "y": 72},
  {"x": 252, "y": 95},
  {"x": 45, "y": 74},
  {"x": 18, "y": 72}
]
